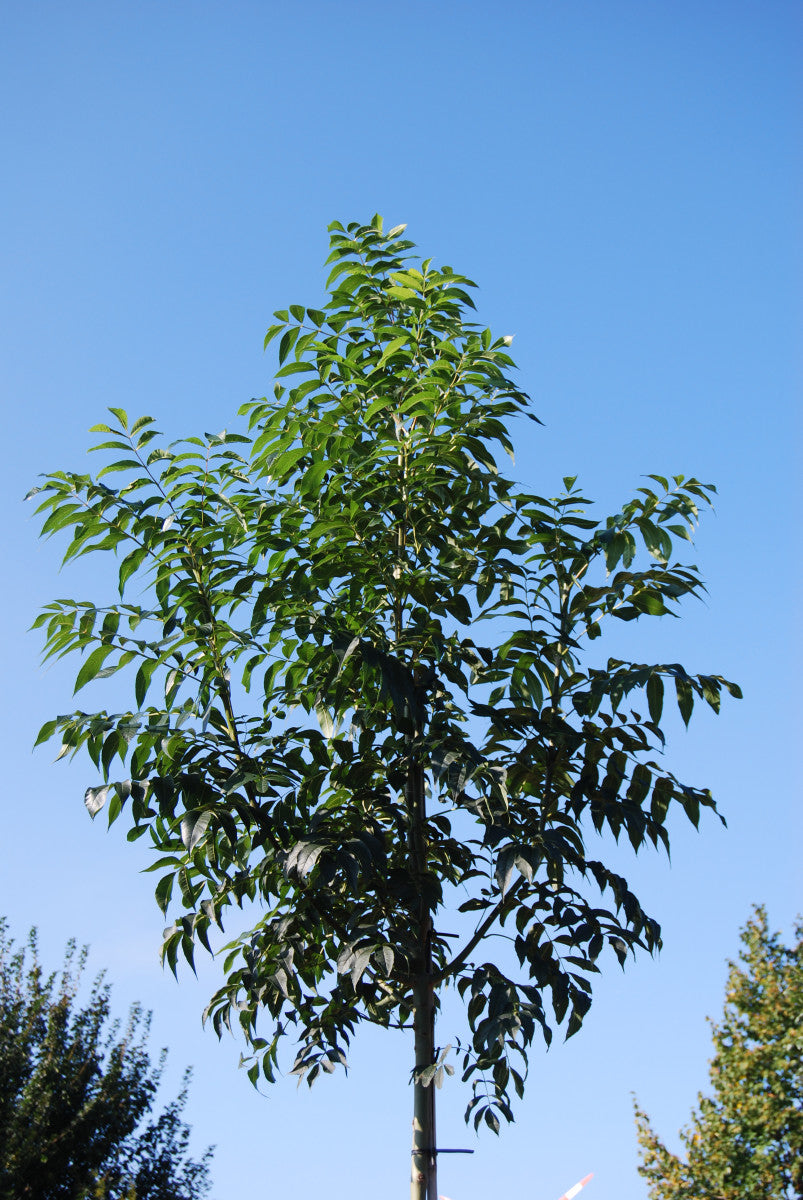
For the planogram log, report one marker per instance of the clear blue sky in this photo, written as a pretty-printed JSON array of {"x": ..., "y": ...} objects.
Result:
[{"x": 619, "y": 177}]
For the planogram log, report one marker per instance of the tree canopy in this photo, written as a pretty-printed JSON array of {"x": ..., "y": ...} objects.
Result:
[
  {"x": 365, "y": 687},
  {"x": 746, "y": 1137},
  {"x": 77, "y": 1091}
]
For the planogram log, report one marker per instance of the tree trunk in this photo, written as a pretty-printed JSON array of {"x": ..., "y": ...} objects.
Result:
[{"x": 424, "y": 1172}]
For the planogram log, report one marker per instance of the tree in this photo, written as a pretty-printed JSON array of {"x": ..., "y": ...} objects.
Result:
[
  {"x": 746, "y": 1139},
  {"x": 76, "y": 1093},
  {"x": 336, "y": 562}
]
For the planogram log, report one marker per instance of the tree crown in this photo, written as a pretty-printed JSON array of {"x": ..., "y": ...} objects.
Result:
[
  {"x": 77, "y": 1090},
  {"x": 308, "y": 655},
  {"x": 745, "y": 1138}
]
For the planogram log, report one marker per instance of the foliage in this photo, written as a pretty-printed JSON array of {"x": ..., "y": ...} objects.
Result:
[
  {"x": 76, "y": 1094},
  {"x": 746, "y": 1139},
  {"x": 319, "y": 724}
]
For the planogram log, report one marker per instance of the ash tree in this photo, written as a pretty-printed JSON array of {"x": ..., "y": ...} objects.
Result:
[
  {"x": 368, "y": 693},
  {"x": 746, "y": 1137},
  {"x": 77, "y": 1093}
]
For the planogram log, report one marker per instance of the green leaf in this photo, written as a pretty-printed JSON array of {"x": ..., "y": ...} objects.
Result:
[
  {"x": 614, "y": 550},
  {"x": 163, "y": 893},
  {"x": 295, "y": 368},
  {"x": 391, "y": 349},
  {"x": 46, "y": 732},
  {"x": 314, "y": 476},
  {"x": 95, "y": 798},
  {"x": 142, "y": 681},
  {"x": 271, "y": 334},
  {"x": 282, "y": 465},
  {"x": 639, "y": 784},
  {"x": 361, "y": 960},
  {"x": 400, "y": 293},
  {"x": 691, "y": 806},
  {"x": 193, "y": 828},
  {"x": 288, "y": 341},
  {"x": 385, "y": 957},
  {"x": 685, "y": 696},
  {"x": 662, "y": 793},
  {"x": 655, "y": 697},
  {"x": 122, "y": 464},
  {"x": 92, "y": 666},
  {"x": 325, "y": 721},
  {"x": 710, "y": 690}
]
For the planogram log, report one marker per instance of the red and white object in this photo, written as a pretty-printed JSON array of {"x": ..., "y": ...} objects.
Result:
[{"x": 578, "y": 1187}]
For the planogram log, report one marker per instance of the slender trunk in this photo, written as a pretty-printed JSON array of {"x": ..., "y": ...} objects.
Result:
[
  {"x": 424, "y": 1174},
  {"x": 424, "y": 1162}
]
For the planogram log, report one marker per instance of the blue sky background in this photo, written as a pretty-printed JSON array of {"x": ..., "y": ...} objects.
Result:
[{"x": 621, "y": 179}]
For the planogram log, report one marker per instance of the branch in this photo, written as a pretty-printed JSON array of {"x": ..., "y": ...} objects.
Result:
[{"x": 500, "y": 909}]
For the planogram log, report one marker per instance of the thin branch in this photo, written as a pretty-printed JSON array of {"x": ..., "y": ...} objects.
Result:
[{"x": 500, "y": 909}]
